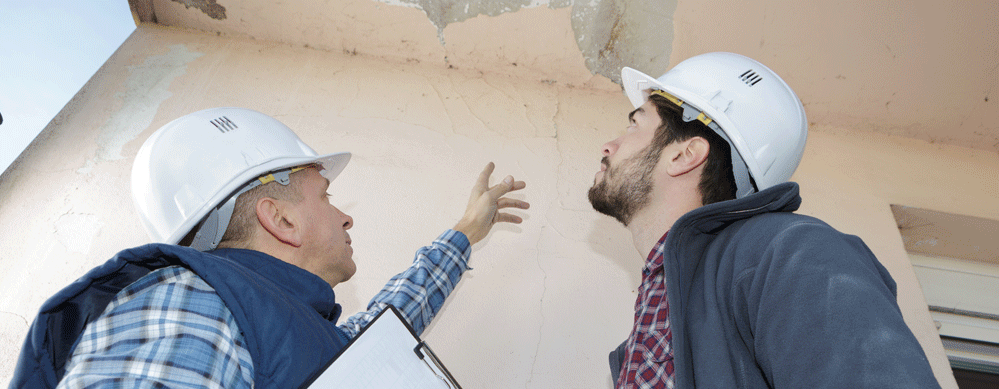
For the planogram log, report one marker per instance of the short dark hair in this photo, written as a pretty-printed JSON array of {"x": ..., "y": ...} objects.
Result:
[
  {"x": 244, "y": 214},
  {"x": 718, "y": 180}
]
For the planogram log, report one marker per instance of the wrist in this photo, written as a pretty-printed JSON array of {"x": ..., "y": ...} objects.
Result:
[{"x": 466, "y": 229}]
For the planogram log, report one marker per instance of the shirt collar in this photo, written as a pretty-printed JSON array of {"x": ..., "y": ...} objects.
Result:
[{"x": 655, "y": 258}]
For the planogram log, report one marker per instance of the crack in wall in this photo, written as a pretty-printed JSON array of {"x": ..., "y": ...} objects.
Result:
[
  {"x": 461, "y": 98},
  {"x": 541, "y": 306},
  {"x": 440, "y": 97},
  {"x": 25, "y": 320}
]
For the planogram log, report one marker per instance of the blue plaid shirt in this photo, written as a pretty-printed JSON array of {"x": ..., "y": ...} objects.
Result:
[{"x": 170, "y": 328}]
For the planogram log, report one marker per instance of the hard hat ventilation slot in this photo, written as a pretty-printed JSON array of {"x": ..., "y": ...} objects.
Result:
[
  {"x": 223, "y": 124},
  {"x": 750, "y": 77}
]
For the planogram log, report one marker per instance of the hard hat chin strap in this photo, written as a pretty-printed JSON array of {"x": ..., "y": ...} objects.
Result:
[
  {"x": 212, "y": 229},
  {"x": 744, "y": 184}
]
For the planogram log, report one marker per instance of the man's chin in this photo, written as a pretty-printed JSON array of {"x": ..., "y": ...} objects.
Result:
[{"x": 350, "y": 270}]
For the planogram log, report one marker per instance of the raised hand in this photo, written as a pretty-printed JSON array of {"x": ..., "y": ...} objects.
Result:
[{"x": 484, "y": 205}]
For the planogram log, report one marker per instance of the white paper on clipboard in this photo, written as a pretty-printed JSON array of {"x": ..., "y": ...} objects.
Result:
[{"x": 386, "y": 354}]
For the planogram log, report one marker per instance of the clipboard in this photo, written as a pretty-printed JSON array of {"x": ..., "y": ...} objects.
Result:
[{"x": 387, "y": 353}]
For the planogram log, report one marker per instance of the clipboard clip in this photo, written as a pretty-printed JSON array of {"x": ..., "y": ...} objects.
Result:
[{"x": 438, "y": 367}]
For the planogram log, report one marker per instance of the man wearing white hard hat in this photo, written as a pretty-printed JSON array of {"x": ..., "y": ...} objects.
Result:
[
  {"x": 737, "y": 290},
  {"x": 237, "y": 289}
]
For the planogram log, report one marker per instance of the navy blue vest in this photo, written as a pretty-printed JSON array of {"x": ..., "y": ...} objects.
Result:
[{"x": 286, "y": 314}]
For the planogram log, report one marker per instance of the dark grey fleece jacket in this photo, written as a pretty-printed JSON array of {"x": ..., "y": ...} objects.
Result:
[{"x": 761, "y": 297}]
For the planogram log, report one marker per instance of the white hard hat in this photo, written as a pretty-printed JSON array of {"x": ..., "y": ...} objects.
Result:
[
  {"x": 745, "y": 102},
  {"x": 192, "y": 168}
]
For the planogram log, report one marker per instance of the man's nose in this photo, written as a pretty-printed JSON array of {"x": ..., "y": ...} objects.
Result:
[
  {"x": 609, "y": 148},
  {"x": 347, "y": 220},
  {"x": 348, "y": 223}
]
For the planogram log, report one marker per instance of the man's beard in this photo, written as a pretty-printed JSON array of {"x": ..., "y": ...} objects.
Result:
[{"x": 631, "y": 189}]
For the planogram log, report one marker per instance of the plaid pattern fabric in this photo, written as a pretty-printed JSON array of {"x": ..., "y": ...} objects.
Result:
[
  {"x": 648, "y": 359},
  {"x": 170, "y": 328},
  {"x": 419, "y": 292}
]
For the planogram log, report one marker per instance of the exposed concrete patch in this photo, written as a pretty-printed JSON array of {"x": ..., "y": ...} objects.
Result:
[
  {"x": 146, "y": 88},
  {"x": 617, "y": 33},
  {"x": 443, "y": 12},
  {"x": 209, "y": 7},
  {"x": 609, "y": 33}
]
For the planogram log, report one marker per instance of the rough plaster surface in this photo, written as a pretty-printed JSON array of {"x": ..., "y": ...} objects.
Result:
[
  {"x": 604, "y": 34},
  {"x": 922, "y": 69},
  {"x": 546, "y": 299}
]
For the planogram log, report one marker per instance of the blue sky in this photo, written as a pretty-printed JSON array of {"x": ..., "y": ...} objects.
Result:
[{"x": 48, "y": 50}]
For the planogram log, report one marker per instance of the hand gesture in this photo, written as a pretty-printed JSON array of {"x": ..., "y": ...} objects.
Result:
[{"x": 485, "y": 203}]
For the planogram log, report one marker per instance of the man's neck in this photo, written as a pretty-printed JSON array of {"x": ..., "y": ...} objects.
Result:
[{"x": 649, "y": 224}]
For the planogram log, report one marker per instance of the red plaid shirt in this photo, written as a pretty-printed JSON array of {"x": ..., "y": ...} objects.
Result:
[{"x": 648, "y": 361}]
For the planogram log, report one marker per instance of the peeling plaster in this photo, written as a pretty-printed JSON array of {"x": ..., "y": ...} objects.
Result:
[
  {"x": 444, "y": 12},
  {"x": 146, "y": 88},
  {"x": 616, "y": 33},
  {"x": 610, "y": 33},
  {"x": 209, "y": 7}
]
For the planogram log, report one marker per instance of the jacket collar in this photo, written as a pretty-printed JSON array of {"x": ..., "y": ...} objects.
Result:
[
  {"x": 311, "y": 289},
  {"x": 779, "y": 198},
  {"x": 693, "y": 230}
]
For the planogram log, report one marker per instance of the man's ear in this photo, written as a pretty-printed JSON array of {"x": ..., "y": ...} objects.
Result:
[
  {"x": 685, "y": 156},
  {"x": 274, "y": 217}
]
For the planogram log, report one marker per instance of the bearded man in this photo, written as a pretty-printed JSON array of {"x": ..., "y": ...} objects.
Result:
[{"x": 737, "y": 290}]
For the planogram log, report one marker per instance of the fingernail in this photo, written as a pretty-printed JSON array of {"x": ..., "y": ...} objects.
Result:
[{"x": 508, "y": 180}]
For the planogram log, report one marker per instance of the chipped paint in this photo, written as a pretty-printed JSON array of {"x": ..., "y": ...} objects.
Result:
[
  {"x": 146, "y": 88},
  {"x": 444, "y": 12},
  {"x": 610, "y": 33},
  {"x": 635, "y": 33},
  {"x": 209, "y": 7}
]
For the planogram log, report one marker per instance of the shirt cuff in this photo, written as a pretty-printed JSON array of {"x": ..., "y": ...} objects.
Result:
[{"x": 457, "y": 241}]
